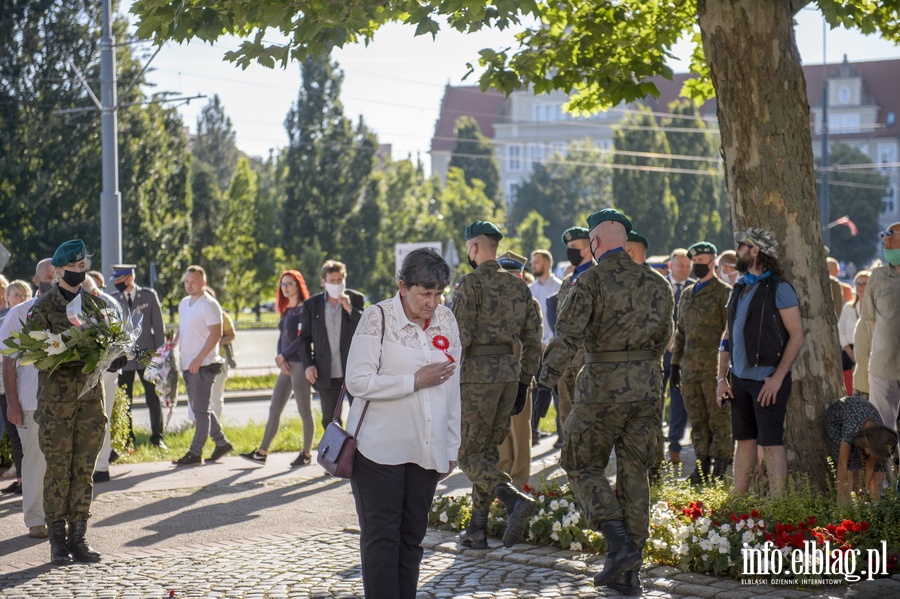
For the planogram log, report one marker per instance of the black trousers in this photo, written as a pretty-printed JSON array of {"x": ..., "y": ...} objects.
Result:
[
  {"x": 126, "y": 379},
  {"x": 329, "y": 398},
  {"x": 13, "y": 433},
  {"x": 392, "y": 503}
]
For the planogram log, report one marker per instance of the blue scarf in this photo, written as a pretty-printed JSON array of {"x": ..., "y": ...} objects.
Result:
[{"x": 751, "y": 279}]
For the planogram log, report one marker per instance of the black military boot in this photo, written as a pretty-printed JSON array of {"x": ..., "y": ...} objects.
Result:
[
  {"x": 59, "y": 551},
  {"x": 81, "y": 551},
  {"x": 475, "y": 536},
  {"x": 629, "y": 584},
  {"x": 519, "y": 508},
  {"x": 622, "y": 557},
  {"x": 702, "y": 470},
  {"x": 720, "y": 467}
]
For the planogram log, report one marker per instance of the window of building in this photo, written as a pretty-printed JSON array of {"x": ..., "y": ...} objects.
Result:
[
  {"x": 536, "y": 154},
  {"x": 843, "y": 123},
  {"x": 548, "y": 112},
  {"x": 514, "y": 157},
  {"x": 887, "y": 155},
  {"x": 512, "y": 192}
]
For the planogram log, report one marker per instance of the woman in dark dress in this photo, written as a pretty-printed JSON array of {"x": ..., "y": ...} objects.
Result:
[{"x": 292, "y": 292}]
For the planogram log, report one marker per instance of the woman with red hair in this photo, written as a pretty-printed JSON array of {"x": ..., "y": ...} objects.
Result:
[{"x": 292, "y": 292}]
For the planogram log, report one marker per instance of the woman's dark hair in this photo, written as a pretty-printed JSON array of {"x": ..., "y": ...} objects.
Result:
[
  {"x": 878, "y": 441},
  {"x": 766, "y": 262},
  {"x": 426, "y": 268}
]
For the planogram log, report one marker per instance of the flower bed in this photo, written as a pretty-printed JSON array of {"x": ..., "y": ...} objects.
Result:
[{"x": 713, "y": 534}]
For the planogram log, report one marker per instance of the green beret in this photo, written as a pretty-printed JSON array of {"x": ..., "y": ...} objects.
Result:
[
  {"x": 608, "y": 214},
  {"x": 702, "y": 247},
  {"x": 638, "y": 238},
  {"x": 510, "y": 260},
  {"x": 483, "y": 227},
  {"x": 71, "y": 251},
  {"x": 573, "y": 233}
]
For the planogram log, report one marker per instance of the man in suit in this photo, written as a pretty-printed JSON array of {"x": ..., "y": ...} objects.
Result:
[
  {"x": 142, "y": 300},
  {"x": 327, "y": 324},
  {"x": 679, "y": 279}
]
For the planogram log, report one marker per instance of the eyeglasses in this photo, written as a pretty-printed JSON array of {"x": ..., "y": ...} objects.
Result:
[
  {"x": 861, "y": 283},
  {"x": 289, "y": 284},
  {"x": 745, "y": 244},
  {"x": 886, "y": 233}
]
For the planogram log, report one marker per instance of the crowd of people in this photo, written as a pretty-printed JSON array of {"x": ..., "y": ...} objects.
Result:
[{"x": 466, "y": 384}]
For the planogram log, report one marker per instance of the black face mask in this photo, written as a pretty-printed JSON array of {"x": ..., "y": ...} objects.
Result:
[
  {"x": 121, "y": 286},
  {"x": 44, "y": 287},
  {"x": 700, "y": 270},
  {"x": 471, "y": 262},
  {"x": 72, "y": 278},
  {"x": 574, "y": 256}
]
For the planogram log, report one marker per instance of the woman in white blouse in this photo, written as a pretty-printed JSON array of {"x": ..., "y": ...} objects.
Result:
[
  {"x": 847, "y": 327},
  {"x": 402, "y": 363}
]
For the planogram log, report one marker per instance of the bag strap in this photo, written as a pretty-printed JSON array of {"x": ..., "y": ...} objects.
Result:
[{"x": 337, "y": 409}]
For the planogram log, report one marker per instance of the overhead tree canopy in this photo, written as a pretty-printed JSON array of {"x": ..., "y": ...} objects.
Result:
[{"x": 603, "y": 52}]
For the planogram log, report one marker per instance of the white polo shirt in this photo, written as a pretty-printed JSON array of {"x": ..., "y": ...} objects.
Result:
[{"x": 26, "y": 376}]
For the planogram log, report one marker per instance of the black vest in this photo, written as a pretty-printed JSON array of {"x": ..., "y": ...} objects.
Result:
[{"x": 765, "y": 335}]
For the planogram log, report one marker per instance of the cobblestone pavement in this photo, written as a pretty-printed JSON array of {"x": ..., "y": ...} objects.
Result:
[{"x": 323, "y": 564}]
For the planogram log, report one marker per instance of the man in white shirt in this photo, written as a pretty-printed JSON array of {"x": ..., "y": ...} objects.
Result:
[
  {"x": 199, "y": 331},
  {"x": 21, "y": 396},
  {"x": 545, "y": 285}
]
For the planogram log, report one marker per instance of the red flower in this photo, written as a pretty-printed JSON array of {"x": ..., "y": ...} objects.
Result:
[
  {"x": 755, "y": 514},
  {"x": 734, "y": 518},
  {"x": 864, "y": 526},
  {"x": 811, "y": 520}
]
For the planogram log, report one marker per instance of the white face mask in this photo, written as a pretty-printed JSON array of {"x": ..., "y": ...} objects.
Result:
[{"x": 335, "y": 290}]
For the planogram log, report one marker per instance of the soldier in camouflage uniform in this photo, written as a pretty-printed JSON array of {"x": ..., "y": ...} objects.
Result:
[
  {"x": 494, "y": 310},
  {"x": 71, "y": 427},
  {"x": 695, "y": 355},
  {"x": 578, "y": 252},
  {"x": 622, "y": 313}
]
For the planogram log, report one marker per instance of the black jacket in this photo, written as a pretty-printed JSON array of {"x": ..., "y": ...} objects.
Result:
[
  {"x": 765, "y": 336},
  {"x": 314, "y": 347}
]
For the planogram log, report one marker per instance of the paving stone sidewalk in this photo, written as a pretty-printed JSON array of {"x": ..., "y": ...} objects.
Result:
[{"x": 323, "y": 564}]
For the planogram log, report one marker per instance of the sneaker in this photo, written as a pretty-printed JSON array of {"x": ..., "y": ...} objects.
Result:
[
  {"x": 101, "y": 476},
  {"x": 160, "y": 444},
  {"x": 188, "y": 459},
  {"x": 220, "y": 451},
  {"x": 304, "y": 459},
  {"x": 255, "y": 457},
  {"x": 15, "y": 487},
  {"x": 38, "y": 532},
  {"x": 113, "y": 456}
]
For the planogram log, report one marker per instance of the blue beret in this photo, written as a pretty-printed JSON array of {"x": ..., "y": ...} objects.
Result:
[
  {"x": 122, "y": 270},
  {"x": 70, "y": 251},
  {"x": 573, "y": 233},
  {"x": 510, "y": 260},
  {"x": 702, "y": 247},
  {"x": 608, "y": 214},
  {"x": 483, "y": 227},
  {"x": 638, "y": 238}
]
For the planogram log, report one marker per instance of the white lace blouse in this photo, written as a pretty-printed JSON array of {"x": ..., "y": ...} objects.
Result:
[{"x": 403, "y": 425}]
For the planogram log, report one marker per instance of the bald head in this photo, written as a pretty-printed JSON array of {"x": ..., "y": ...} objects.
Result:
[{"x": 606, "y": 236}]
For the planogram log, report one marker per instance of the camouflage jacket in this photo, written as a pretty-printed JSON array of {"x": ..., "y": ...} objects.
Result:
[
  {"x": 49, "y": 312},
  {"x": 702, "y": 318},
  {"x": 567, "y": 284},
  {"x": 494, "y": 307},
  {"x": 618, "y": 305}
]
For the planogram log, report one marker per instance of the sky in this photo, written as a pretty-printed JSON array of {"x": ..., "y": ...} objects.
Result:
[{"x": 397, "y": 82}]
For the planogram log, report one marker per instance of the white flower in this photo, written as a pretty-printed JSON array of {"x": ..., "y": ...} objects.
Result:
[
  {"x": 723, "y": 549},
  {"x": 682, "y": 549},
  {"x": 750, "y": 523},
  {"x": 725, "y": 528},
  {"x": 554, "y": 536},
  {"x": 761, "y": 523},
  {"x": 748, "y": 537},
  {"x": 575, "y": 518},
  {"x": 705, "y": 545},
  {"x": 557, "y": 526},
  {"x": 542, "y": 512},
  {"x": 554, "y": 505},
  {"x": 38, "y": 335},
  {"x": 575, "y": 546},
  {"x": 444, "y": 517},
  {"x": 55, "y": 344},
  {"x": 563, "y": 503}
]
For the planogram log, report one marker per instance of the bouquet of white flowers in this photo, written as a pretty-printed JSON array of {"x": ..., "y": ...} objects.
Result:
[{"x": 97, "y": 337}]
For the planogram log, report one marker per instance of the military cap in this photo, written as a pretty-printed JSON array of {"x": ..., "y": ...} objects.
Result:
[
  {"x": 573, "y": 233},
  {"x": 702, "y": 247},
  {"x": 760, "y": 238},
  {"x": 510, "y": 260},
  {"x": 70, "y": 251},
  {"x": 638, "y": 238},
  {"x": 483, "y": 227},
  {"x": 123, "y": 270},
  {"x": 608, "y": 214}
]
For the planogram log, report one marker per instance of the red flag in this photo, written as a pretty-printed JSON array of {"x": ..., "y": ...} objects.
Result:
[{"x": 845, "y": 220}]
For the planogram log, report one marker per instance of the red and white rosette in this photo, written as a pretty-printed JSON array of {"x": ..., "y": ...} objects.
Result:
[{"x": 443, "y": 344}]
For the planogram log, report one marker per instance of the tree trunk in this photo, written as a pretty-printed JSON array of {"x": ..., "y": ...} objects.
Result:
[{"x": 767, "y": 149}]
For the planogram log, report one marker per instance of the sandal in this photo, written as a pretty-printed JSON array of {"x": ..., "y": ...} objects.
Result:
[{"x": 304, "y": 459}]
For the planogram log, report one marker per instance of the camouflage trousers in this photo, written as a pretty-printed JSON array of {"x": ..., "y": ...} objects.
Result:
[
  {"x": 486, "y": 409},
  {"x": 592, "y": 431},
  {"x": 710, "y": 424},
  {"x": 565, "y": 386},
  {"x": 70, "y": 436}
]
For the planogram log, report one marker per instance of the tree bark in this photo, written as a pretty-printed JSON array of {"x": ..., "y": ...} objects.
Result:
[{"x": 767, "y": 149}]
